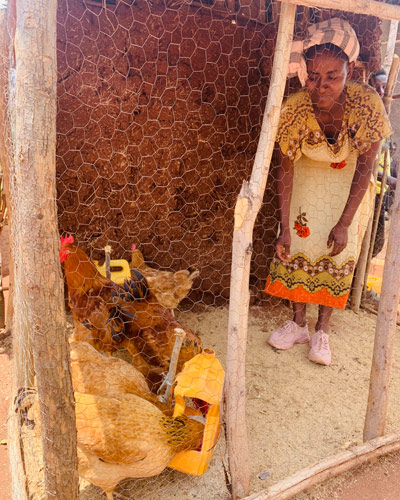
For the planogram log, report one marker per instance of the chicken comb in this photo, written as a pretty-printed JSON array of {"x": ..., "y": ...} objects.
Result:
[
  {"x": 67, "y": 240},
  {"x": 133, "y": 247}
]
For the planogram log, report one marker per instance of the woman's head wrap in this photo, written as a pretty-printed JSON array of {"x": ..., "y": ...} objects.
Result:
[{"x": 335, "y": 31}]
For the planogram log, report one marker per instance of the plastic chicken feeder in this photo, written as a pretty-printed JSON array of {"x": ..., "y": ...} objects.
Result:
[
  {"x": 202, "y": 378},
  {"x": 120, "y": 270}
]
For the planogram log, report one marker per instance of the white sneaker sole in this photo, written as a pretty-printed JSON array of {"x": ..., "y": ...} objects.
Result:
[
  {"x": 286, "y": 347},
  {"x": 319, "y": 361}
]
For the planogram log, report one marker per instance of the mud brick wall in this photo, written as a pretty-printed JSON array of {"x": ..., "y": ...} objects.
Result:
[{"x": 159, "y": 113}]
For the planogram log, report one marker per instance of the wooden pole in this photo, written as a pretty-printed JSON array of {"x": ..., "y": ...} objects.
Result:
[
  {"x": 381, "y": 368},
  {"x": 375, "y": 221},
  {"x": 367, "y": 7},
  {"x": 246, "y": 210},
  {"x": 6, "y": 28},
  {"x": 365, "y": 257},
  {"x": 391, "y": 45},
  {"x": 358, "y": 281},
  {"x": 39, "y": 290},
  {"x": 329, "y": 468}
]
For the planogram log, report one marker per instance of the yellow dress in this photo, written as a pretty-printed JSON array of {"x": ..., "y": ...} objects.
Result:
[{"x": 323, "y": 174}]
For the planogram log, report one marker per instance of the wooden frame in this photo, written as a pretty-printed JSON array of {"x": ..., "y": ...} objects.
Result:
[
  {"x": 35, "y": 166},
  {"x": 246, "y": 210},
  {"x": 366, "y": 7}
]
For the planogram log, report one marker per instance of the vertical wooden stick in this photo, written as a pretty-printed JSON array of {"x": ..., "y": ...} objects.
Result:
[
  {"x": 376, "y": 221},
  {"x": 169, "y": 380},
  {"x": 364, "y": 259},
  {"x": 391, "y": 44},
  {"x": 5, "y": 149},
  {"x": 387, "y": 101},
  {"x": 107, "y": 251},
  {"x": 39, "y": 290},
  {"x": 246, "y": 210},
  {"x": 375, "y": 419}
]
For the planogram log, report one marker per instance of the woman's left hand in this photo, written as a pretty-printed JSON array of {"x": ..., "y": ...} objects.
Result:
[{"x": 338, "y": 238}]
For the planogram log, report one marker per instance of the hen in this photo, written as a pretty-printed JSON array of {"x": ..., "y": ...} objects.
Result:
[
  {"x": 168, "y": 287},
  {"x": 119, "y": 437},
  {"x": 110, "y": 316},
  {"x": 94, "y": 373}
]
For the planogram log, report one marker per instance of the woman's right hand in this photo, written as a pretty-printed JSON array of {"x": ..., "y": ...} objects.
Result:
[{"x": 282, "y": 246}]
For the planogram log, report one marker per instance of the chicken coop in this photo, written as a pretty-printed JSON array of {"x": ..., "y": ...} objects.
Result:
[{"x": 141, "y": 132}]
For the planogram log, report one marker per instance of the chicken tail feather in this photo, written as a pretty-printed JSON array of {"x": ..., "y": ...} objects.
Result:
[{"x": 133, "y": 289}]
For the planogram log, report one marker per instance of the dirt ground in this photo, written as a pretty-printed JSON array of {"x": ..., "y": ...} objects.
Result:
[{"x": 298, "y": 412}]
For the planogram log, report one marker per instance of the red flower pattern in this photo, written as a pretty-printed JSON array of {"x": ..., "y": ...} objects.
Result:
[
  {"x": 338, "y": 166},
  {"x": 300, "y": 225}
]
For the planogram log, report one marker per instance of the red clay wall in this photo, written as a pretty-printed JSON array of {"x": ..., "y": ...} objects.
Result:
[{"x": 159, "y": 112}]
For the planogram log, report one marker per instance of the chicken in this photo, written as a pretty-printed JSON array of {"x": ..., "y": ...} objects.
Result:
[
  {"x": 94, "y": 373},
  {"x": 119, "y": 437},
  {"x": 110, "y": 316},
  {"x": 152, "y": 332},
  {"x": 168, "y": 287}
]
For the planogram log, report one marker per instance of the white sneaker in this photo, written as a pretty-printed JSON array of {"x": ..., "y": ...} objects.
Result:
[
  {"x": 291, "y": 333},
  {"x": 320, "y": 352}
]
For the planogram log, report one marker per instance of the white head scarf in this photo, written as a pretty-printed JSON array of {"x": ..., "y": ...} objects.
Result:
[{"x": 336, "y": 31}]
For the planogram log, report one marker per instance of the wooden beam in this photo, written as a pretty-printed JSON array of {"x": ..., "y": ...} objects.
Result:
[
  {"x": 246, "y": 210},
  {"x": 367, "y": 7},
  {"x": 329, "y": 468}
]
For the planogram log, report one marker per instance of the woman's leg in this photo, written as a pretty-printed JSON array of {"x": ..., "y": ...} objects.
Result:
[
  {"x": 324, "y": 315},
  {"x": 299, "y": 313}
]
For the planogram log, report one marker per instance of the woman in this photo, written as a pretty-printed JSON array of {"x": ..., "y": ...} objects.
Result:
[{"x": 328, "y": 138}]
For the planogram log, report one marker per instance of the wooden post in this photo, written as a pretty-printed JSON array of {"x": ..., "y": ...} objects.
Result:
[
  {"x": 364, "y": 260},
  {"x": 7, "y": 26},
  {"x": 391, "y": 45},
  {"x": 246, "y": 210},
  {"x": 7, "y": 29},
  {"x": 367, "y": 7},
  {"x": 39, "y": 292},
  {"x": 375, "y": 419}
]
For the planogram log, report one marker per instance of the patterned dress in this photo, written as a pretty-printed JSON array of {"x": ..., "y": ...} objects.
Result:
[{"x": 323, "y": 173}]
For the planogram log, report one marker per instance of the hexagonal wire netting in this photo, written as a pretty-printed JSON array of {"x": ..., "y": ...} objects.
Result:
[{"x": 159, "y": 112}]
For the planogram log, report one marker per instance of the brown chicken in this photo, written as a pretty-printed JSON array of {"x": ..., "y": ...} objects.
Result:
[
  {"x": 119, "y": 437},
  {"x": 110, "y": 316},
  {"x": 168, "y": 287},
  {"x": 94, "y": 373}
]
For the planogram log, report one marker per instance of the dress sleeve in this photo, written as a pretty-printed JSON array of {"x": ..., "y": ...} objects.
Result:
[
  {"x": 369, "y": 121},
  {"x": 292, "y": 126}
]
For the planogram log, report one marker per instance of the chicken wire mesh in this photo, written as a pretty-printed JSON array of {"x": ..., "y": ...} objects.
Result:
[{"x": 159, "y": 112}]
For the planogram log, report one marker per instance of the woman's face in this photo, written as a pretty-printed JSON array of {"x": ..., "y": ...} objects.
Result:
[{"x": 327, "y": 76}]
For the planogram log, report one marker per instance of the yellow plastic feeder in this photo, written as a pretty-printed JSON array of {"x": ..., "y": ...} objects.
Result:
[
  {"x": 119, "y": 268},
  {"x": 202, "y": 378},
  {"x": 374, "y": 283}
]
